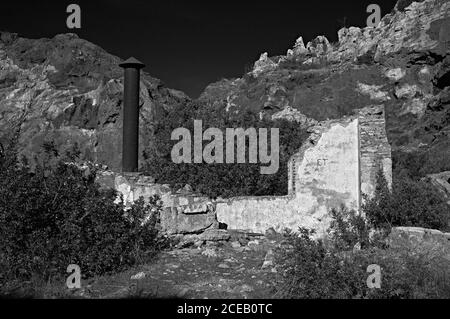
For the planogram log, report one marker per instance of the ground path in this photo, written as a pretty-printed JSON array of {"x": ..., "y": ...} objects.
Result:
[{"x": 239, "y": 268}]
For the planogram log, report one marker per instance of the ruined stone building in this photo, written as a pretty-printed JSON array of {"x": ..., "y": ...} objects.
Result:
[{"x": 335, "y": 166}]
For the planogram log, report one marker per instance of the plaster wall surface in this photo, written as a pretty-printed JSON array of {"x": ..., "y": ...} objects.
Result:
[{"x": 323, "y": 175}]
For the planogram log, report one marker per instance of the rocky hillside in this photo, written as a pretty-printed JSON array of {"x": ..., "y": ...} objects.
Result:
[
  {"x": 403, "y": 63},
  {"x": 68, "y": 90}
]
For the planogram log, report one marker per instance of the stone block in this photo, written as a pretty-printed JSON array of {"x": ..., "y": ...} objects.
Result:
[{"x": 192, "y": 219}]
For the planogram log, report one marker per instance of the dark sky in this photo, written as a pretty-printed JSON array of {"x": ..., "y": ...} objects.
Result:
[{"x": 189, "y": 44}]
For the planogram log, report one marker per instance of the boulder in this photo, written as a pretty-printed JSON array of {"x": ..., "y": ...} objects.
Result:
[
  {"x": 190, "y": 219},
  {"x": 418, "y": 235},
  {"x": 138, "y": 276},
  {"x": 441, "y": 182}
]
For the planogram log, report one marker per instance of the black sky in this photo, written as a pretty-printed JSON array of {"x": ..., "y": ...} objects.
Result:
[{"x": 189, "y": 44}]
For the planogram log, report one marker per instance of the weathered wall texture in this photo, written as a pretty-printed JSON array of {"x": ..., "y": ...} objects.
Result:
[
  {"x": 324, "y": 174},
  {"x": 183, "y": 212},
  {"x": 334, "y": 167}
]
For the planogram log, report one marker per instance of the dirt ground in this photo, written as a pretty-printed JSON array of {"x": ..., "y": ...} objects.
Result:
[{"x": 241, "y": 268}]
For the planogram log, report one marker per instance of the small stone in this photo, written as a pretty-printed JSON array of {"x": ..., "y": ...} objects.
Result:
[
  {"x": 138, "y": 276},
  {"x": 267, "y": 264},
  {"x": 235, "y": 245},
  {"x": 182, "y": 293},
  {"x": 243, "y": 241},
  {"x": 210, "y": 253},
  {"x": 395, "y": 74},
  {"x": 231, "y": 260},
  {"x": 199, "y": 243},
  {"x": 223, "y": 266},
  {"x": 253, "y": 243},
  {"x": 271, "y": 232},
  {"x": 357, "y": 247},
  {"x": 268, "y": 260},
  {"x": 246, "y": 288},
  {"x": 185, "y": 243}
]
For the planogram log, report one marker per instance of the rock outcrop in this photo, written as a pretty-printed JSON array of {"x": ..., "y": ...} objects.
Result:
[{"x": 264, "y": 64}]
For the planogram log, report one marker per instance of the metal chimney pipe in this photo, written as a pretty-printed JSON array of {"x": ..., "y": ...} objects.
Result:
[{"x": 130, "y": 138}]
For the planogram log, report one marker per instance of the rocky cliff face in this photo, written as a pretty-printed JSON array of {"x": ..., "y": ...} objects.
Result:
[
  {"x": 68, "y": 90},
  {"x": 403, "y": 63}
]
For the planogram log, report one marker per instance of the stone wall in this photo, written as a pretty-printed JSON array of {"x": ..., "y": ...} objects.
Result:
[
  {"x": 183, "y": 212},
  {"x": 375, "y": 151},
  {"x": 334, "y": 167}
]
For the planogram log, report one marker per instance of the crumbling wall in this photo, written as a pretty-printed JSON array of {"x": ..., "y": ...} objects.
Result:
[
  {"x": 334, "y": 166},
  {"x": 322, "y": 175},
  {"x": 183, "y": 212}
]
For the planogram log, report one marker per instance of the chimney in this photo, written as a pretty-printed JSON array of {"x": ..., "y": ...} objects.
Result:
[{"x": 130, "y": 138}]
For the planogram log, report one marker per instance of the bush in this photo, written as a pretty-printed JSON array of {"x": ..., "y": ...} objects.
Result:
[
  {"x": 222, "y": 180},
  {"x": 307, "y": 270},
  {"x": 407, "y": 272},
  {"x": 57, "y": 215},
  {"x": 348, "y": 228},
  {"x": 410, "y": 203}
]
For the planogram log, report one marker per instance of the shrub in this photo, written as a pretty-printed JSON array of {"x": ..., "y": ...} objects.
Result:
[
  {"x": 410, "y": 203},
  {"x": 222, "y": 180},
  {"x": 57, "y": 215},
  {"x": 348, "y": 228},
  {"x": 407, "y": 272},
  {"x": 307, "y": 270}
]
